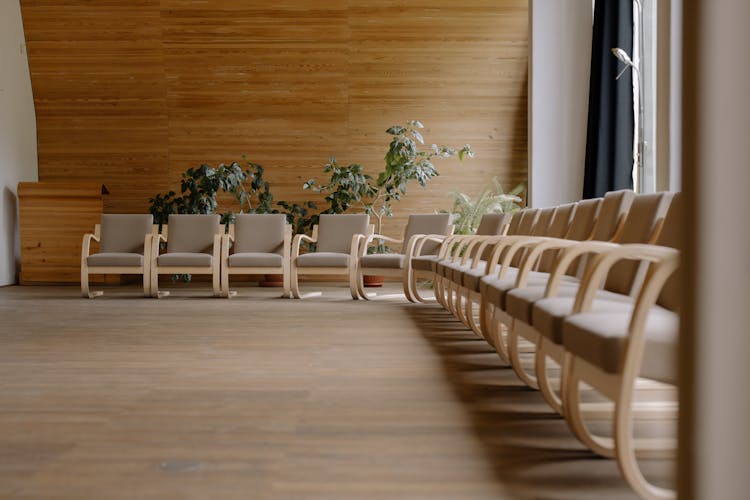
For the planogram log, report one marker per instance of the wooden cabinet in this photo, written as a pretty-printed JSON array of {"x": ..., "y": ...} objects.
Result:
[{"x": 54, "y": 218}]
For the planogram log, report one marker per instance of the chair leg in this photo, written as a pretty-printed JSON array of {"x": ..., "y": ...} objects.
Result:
[
  {"x": 294, "y": 278},
  {"x": 542, "y": 376},
  {"x": 224, "y": 281},
  {"x": 155, "y": 282},
  {"x": 470, "y": 315},
  {"x": 354, "y": 277},
  {"x": 85, "y": 291},
  {"x": 625, "y": 449},
  {"x": 407, "y": 284},
  {"x": 602, "y": 446},
  {"x": 514, "y": 353},
  {"x": 287, "y": 286}
]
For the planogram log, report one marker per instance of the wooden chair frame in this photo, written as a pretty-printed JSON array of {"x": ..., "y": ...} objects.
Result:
[
  {"x": 144, "y": 270},
  {"x": 214, "y": 269},
  {"x": 407, "y": 275},
  {"x": 621, "y": 387},
  {"x": 351, "y": 270},
  {"x": 284, "y": 269}
]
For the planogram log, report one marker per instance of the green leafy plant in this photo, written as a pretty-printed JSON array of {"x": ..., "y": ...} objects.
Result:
[
  {"x": 406, "y": 160},
  {"x": 468, "y": 212}
]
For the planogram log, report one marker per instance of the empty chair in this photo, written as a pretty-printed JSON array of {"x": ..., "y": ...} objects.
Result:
[
  {"x": 336, "y": 237},
  {"x": 423, "y": 266},
  {"x": 124, "y": 248},
  {"x": 193, "y": 247},
  {"x": 608, "y": 349},
  {"x": 260, "y": 244},
  {"x": 399, "y": 263}
]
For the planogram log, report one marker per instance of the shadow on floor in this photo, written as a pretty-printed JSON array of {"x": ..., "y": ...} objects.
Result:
[{"x": 529, "y": 446}]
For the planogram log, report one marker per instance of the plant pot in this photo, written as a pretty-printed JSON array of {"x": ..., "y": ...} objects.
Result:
[
  {"x": 272, "y": 280},
  {"x": 373, "y": 281}
]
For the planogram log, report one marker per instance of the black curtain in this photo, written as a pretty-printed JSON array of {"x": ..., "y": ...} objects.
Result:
[{"x": 609, "y": 138}]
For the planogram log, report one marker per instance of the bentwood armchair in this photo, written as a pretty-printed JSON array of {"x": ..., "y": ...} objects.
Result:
[
  {"x": 336, "y": 237},
  {"x": 419, "y": 233},
  {"x": 124, "y": 248},
  {"x": 193, "y": 247},
  {"x": 259, "y": 244}
]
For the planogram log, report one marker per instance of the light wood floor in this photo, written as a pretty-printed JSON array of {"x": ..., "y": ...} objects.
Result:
[{"x": 258, "y": 397}]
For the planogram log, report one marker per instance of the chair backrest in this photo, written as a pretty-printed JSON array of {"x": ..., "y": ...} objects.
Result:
[
  {"x": 259, "y": 233},
  {"x": 427, "y": 224},
  {"x": 125, "y": 233},
  {"x": 613, "y": 208},
  {"x": 642, "y": 218},
  {"x": 582, "y": 224},
  {"x": 541, "y": 226},
  {"x": 335, "y": 231},
  {"x": 192, "y": 233},
  {"x": 527, "y": 220},
  {"x": 515, "y": 221},
  {"x": 558, "y": 228},
  {"x": 492, "y": 224},
  {"x": 671, "y": 236}
]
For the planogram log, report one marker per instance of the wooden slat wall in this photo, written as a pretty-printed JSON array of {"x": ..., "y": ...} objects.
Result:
[{"x": 132, "y": 92}]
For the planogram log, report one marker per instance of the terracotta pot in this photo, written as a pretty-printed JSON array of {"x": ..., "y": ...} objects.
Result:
[
  {"x": 373, "y": 281},
  {"x": 272, "y": 280}
]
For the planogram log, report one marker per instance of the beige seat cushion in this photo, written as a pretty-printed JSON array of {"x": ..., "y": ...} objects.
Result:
[
  {"x": 124, "y": 233},
  {"x": 115, "y": 259},
  {"x": 520, "y": 301},
  {"x": 323, "y": 259},
  {"x": 255, "y": 259},
  {"x": 185, "y": 259},
  {"x": 386, "y": 260},
  {"x": 599, "y": 338},
  {"x": 548, "y": 314},
  {"x": 494, "y": 289},
  {"x": 470, "y": 277},
  {"x": 424, "y": 262}
]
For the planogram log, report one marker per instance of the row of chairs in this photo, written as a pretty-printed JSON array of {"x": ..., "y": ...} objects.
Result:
[
  {"x": 254, "y": 244},
  {"x": 589, "y": 289}
]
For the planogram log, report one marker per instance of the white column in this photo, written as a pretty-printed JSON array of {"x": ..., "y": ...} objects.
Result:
[
  {"x": 559, "y": 67},
  {"x": 18, "y": 160}
]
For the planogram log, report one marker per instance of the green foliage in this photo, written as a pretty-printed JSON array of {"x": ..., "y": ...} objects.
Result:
[
  {"x": 405, "y": 161},
  {"x": 468, "y": 212}
]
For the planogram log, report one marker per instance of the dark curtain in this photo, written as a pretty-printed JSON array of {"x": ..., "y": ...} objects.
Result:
[{"x": 609, "y": 138}]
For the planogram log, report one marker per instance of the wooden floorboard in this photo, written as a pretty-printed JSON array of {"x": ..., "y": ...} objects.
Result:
[{"x": 258, "y": 397}]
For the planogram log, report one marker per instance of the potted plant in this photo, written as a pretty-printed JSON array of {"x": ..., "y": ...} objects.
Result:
[
  {"x": 468, "y": 212},
  {"x": 405, "y": 161}
]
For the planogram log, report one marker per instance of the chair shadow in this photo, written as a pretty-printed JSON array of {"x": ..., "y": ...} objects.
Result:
[{"x": 529, "y": 446}]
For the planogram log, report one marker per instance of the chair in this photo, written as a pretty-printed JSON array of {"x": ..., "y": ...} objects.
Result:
[
  {"x": 336, "y": 237},
  {"x": 260, "y": 244},
  {"x": 423, "y": 266},
  {"x": 539, "y": 320},
  {"x": 124, "y": 248},
  {"x": 611, "y": 349},
  {"x": 399, "y": 264},
  {"x": 193, "y": 247}
]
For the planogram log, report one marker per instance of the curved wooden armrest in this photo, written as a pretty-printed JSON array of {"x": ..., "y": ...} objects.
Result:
[
  {"x": 501, "y": 243},
  {"x": 568, "y": 256},
  {"x": 155, "y": 240},
  {"x": 86, "y": 244},
  {"x": 298, "y": 241},
  {"x": 537, "y": 246},
  {"x": 367, "y": 239},
  {"x": 421, "y": 239},
  {"x": 598, "y": 270}
]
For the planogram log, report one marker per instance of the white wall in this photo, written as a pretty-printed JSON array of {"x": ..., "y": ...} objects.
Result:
[
  {"x": 559, "y": 66},
  {"x": 17, "y": 133}
]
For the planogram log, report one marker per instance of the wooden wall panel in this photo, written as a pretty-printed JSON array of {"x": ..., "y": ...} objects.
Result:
[{"x": 131, "y": 93}]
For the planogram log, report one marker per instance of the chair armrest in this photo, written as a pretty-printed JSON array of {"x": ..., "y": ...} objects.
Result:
[
  {"x": 287, "y": 250},
  {"x": 599, "y": 269},
  {"x": 568, "y": 256},
  {"x": 86, "y": 244},
  {"x": 367, "y": 239},
  {"x": 226, "y": 239},
  {"x": 217, "y": 248},
  {"x": 155, "y": 240},
  {"x": 537, "y": 247},
  {"x": 501, "y": 243},
  {"x": 298, "y": 241}
]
